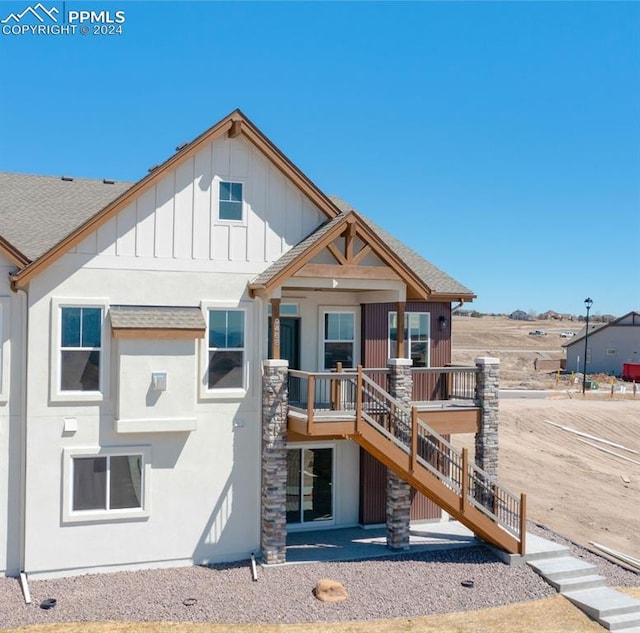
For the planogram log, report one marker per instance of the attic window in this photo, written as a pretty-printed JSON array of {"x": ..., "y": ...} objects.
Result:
[{"x": 230, "y": 201}]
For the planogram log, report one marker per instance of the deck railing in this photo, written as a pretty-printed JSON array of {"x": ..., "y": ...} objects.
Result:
[{"x": 455, "y": 382}]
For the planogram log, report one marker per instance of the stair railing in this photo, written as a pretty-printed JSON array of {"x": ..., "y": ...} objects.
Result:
[{"x": 400, "y": 424}]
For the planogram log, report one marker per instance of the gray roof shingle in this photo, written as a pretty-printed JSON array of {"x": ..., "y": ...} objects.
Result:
[
  {"x": 37, "y": 212},
  {"x": 434, "y": 278},
  {"x": 156, "y": 317}
]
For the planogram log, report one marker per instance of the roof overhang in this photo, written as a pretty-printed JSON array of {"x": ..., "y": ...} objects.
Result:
[
  {"x": 13, "y": 254},
  {"x": 234, "y": 124},
  {"x": 156, "y": 322},
  {"x": 349, "y": 224}
]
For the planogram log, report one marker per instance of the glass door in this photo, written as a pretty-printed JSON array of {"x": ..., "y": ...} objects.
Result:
[{"x": 309, "y": 485}]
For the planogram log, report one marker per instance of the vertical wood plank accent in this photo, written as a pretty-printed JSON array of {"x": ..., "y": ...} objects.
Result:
[
  {"x": 400, "y": 330},
  {"x": 275, "y": 329}
]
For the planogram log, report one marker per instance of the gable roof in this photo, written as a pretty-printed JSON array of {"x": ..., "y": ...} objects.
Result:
[
  {"x": 69, "y": 236},
  {"x": 433, "y": 282},
  {"x": 36, "y": 212},
  {"x": 599, "y": 327}
]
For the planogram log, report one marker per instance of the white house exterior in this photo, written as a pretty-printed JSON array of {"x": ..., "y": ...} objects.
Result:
[
  {"x": 134, "y": 320},
  {"x": 609, "y": 347}
]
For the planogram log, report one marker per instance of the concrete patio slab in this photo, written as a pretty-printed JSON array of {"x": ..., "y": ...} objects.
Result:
[{"x": 359, "y": 543}]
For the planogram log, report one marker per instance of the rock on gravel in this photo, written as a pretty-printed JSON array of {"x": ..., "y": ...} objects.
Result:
[{"x": 407, "y": 585}]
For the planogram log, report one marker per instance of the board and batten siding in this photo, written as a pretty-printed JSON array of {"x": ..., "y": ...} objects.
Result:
[
  {"x": 177, "y": 218},
  {"x": 375, "y": 353}
]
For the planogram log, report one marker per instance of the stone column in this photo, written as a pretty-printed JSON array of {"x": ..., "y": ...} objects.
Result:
[
  {"x": 487, "y": 399},
  {"x": 273, "y": 528},
  {"x": 398, "y": 490}
]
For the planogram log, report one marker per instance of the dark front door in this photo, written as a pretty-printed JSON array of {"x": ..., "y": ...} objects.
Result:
[{"x": 289, "y": 341}]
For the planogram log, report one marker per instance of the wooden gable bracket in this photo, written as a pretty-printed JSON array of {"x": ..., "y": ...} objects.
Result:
[{"x": 236, "y": 128}]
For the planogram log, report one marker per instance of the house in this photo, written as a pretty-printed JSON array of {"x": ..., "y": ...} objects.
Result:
[
  {"x": 609, "y": 346},
  {"x": 197, "y": 362}
]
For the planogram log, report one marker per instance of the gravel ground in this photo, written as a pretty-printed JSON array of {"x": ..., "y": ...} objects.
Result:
[{"x": 396, "y": 586}]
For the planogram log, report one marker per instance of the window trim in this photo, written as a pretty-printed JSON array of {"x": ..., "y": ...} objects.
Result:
[
  {"x": 324, "y": 310},
  {"x": 5, "y": 376},
  {"x": 407, "y": 341},
  {"x": 242, "y": 202},
  {"x": 55, "y": 372},
  {"x": 229, "y": 393},
  {"x": 69, "y": 515}
]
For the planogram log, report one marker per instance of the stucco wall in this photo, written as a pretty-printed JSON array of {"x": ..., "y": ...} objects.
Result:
[{"x": 11, "y": 359}]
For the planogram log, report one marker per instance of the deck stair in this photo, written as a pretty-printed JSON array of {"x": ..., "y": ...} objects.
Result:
[
  {"x": 392, "y": 432},
  {"x": 579, "y": 582}
]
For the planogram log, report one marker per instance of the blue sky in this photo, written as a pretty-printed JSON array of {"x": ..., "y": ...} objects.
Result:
[{"x": 499, "y": 140}]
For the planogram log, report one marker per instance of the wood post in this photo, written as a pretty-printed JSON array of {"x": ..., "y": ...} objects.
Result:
[
  {"x": 400, "y": 330},
  {"x": 523, "y": 525},
  {"x": 338, "y": 393},
  {"x": 359, "y": 399},
  {"x": 275, "y": 329},
  {"x": 414, "y": 438},
  {"x": 310, "y": 399},
  {"x": 465, "y": 479}
]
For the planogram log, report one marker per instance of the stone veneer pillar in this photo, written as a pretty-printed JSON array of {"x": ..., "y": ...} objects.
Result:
[
  {"x": 398, "y": 490},
  {"x": 487, "y": 398},
  {"x": 273, "y": 524}
]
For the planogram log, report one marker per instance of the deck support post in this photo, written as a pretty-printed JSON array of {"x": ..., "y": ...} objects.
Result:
[
  {"x": 398, "y": 490},
  {"x": 273, "y": 520}
]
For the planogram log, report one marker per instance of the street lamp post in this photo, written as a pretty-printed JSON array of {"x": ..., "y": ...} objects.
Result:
[{"x": 588, "y": 303}]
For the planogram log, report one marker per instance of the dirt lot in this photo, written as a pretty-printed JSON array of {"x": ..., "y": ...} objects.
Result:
[{"x": 573, "y": 488}]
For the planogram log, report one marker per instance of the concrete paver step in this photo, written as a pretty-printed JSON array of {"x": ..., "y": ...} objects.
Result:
[
  {"x": 562, "y": 567},
  {"x": 575, "y": 583},
  {"x": 603, "y": 602},
  {"x": 538, "y": 548},
  {"x": 624, "y": 622}
]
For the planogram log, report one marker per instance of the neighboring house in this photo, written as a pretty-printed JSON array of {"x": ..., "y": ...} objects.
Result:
[
  {"x": 609, "y": 346},
  {"x": 179, "y": 377}
]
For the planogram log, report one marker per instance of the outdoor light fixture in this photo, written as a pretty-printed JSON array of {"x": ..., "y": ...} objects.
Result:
[
  {"x": 443, "y": 321},
  {"x": 588, "y": 302}
]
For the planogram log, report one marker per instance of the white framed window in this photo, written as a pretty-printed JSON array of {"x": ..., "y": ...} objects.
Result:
[
  {"x": 338, "y": 338},
  {"x": 417, "y": 346},
  {"x": 107, "y": 483},
  {"x": 80, "y": 344},
  {"x": 226, "y": 363},
  {"x": 611, "y": 351},
  {"x": 4, "y": 349},
  {"x": 230, "y": 200}
]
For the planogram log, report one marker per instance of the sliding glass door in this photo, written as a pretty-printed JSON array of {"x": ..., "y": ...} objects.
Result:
[{"x": 309, "y": 486}]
